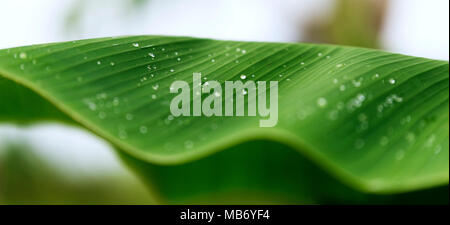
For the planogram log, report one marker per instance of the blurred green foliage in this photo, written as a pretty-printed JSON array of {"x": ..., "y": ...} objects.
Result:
[{"x": 25, "y": 178}]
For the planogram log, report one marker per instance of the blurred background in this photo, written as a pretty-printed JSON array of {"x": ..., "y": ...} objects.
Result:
[{"x": 52, "y": 163}]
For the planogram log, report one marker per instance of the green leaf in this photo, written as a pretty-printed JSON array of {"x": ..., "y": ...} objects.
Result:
[{"x": 376, "y": 121}]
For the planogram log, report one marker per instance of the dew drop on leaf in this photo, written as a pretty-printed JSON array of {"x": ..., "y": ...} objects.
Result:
[
  {"x": 437, "y": 149},
  {"x": 333, "y": 115},
  {"x": 322, "y": 102},
  {"x": 23, "y": 55},
  {"x": 129, "y": 116},
  {"x": 123, "y": 134},
  {"x": 101, "y": 115},
  {"x": 359, "y": 143},
  {"x": 384, "y": 141},
  {"x": 143, "y": 129},
  {"x": 116, "y": 101},
  {"x": 188, "y": 144},
  {"x": 392, "y": 81},
  {"x": 400, "y": 155}
]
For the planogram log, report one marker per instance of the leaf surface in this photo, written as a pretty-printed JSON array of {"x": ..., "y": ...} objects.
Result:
[{"x": 375, "y": 120}]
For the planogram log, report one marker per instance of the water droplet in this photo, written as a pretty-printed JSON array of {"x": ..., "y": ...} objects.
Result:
[
  {"x": 154, "y": 96},
  {"x": 151, "y": 54},
  {"x": 321, "y": 102},
  {"x": 123, "y": 134},
  {"x": 359, "y": 143},
  {"x": 376, "y": 76},
  {"x": 392, "y": 81},
  {"x": 112, "y": 63},
  {"x": 335, "y": 81},
  {"x": 302, "y": 63},
  {"x": 188, "y": 144},
  {"x": 172, "y": 70},
  {"x": 143, "y": 129},
  {"x": 361, "y": 97},
  {"x": 101, "y": 95},
  {"x": 23, "y": 55},
  {"x": 342, "y": 88},
  {"x": 362, "y": 117},
  {"x": 243, "y": 51},
  {"x": 144, "y": 78},
  {"x": 243, "y": 77},
  {"x": 99, "y": 62},
  {"x": 102, "y": 115},
  {"x": 244, "y": 92},
  {"x": 155, "y": 87},
  {"x": 129, "y": 116},
  {"x": 213, "y": 60},
  {"x": 357, "y": 83},
  {"x": 333, "y": 115},
  {"x": 437, "y": 149},
  {"x": 430, "y": 141},
  {"x": 384, "y": 141},
  {"x": 399, "y": 155},
  {"x": 91, "y": 105},
  {"x": 178, "y": 59},
  {"x": 339, "y": 65},
  {"x": 320, "y": 54},
  {"x": 217, "y": 94},
  {"x": 136, "y": 45},
  {"x": 116, "y": 101}
]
